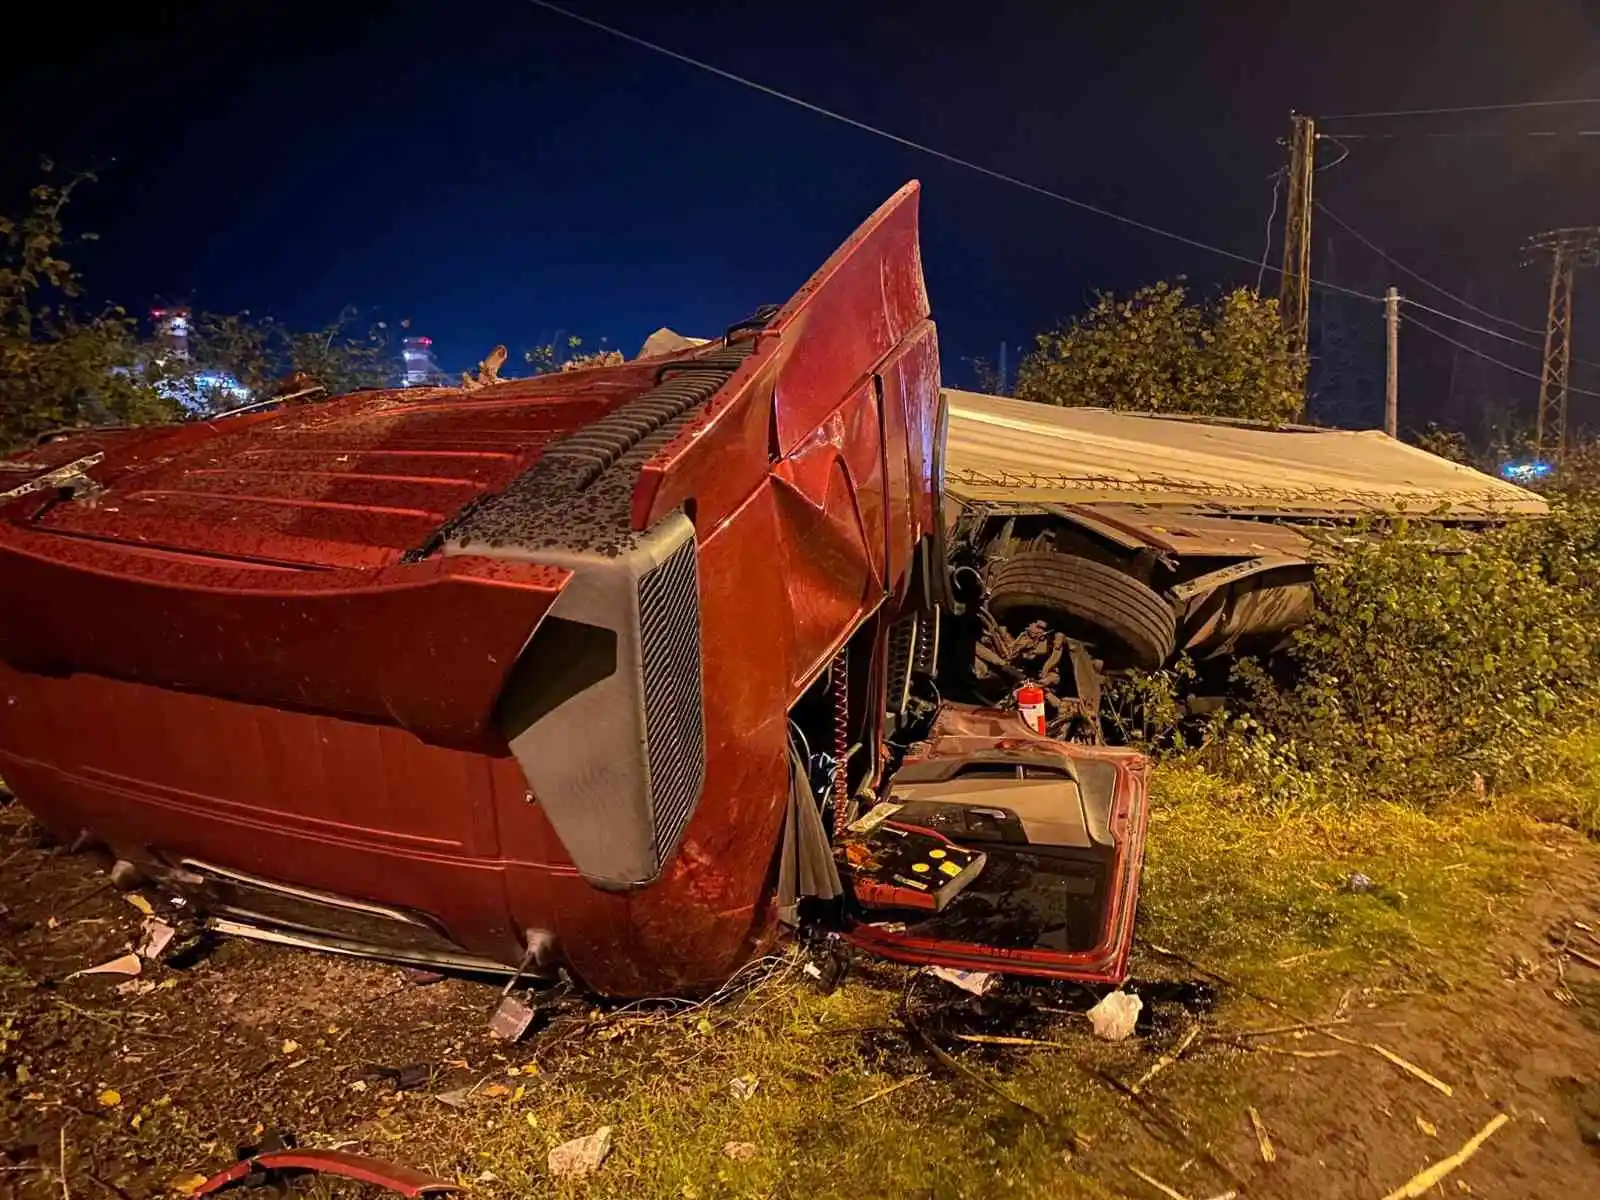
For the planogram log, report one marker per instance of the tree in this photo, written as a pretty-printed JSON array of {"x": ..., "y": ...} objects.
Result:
[
  {"x": 1157, "y": 352},
  {"x": 260, "y": 352},
  {"x": 59, "y": 367}
]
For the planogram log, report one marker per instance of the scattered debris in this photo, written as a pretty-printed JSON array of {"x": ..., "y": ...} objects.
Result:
[
  {"x": 743, "y": 1087},
  {"x": 1115, "y": 1016},
  {"x": 1166, "y": 1060},
  {"x": 979, "y": 983},
  {"x": 1357, "y": 883},
  {"x": 1420, "y": 1183},
  {"x": 580, "y": 1156},
  {"x": 110, "y": 1098},
  {"x": 458, "y": 1098},
  {"x": 139, "y": 902},
  {"x": 186, "y": 1184},
  {"x": 127, "y": 964},
  {"x": 741, "y": 1151},
  {"x": 1268, "y": 1153},
  {"x": 1427, "y": 1126},
  {"x": 156, "y": 935},
  {"x": 421, "y": 976}
]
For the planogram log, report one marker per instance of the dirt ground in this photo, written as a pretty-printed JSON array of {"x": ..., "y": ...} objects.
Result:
[{"x": 122, "y": 1088}]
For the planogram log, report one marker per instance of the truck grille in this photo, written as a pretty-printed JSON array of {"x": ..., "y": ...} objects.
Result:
[{"x": 669, "y": 645}]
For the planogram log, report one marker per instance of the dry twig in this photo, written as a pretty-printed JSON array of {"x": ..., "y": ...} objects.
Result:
[
  {"x": 882, "y": 1092},
  {"x": 1268, "y": 1154},
  {"x": 1405, "y": 1065},
  {"x": 1166, "y": 1060},
  {"x": 1420, "y": 1183}
]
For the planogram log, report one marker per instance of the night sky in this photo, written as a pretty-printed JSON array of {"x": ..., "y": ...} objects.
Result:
[{"x": 498, "y": 173}]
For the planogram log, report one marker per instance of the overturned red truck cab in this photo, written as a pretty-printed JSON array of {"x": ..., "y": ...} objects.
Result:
[{"x": 541, "y": 670}]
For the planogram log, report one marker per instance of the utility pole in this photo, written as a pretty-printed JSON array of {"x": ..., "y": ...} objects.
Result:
[
  {"x": 1569, "y": 249},
  {"x": 1391, "y": 392},
  {"x": 1294, "y": 290}
]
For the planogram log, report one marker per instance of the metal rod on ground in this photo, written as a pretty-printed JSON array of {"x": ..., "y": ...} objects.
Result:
[{"x": 1391, "y": 395}]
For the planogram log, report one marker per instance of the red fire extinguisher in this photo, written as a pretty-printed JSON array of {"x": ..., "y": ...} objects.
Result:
[{"x": 1030, "y": 706}]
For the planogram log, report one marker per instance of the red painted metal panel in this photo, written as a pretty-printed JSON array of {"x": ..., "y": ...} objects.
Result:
[{"x": 424, "y": 646}]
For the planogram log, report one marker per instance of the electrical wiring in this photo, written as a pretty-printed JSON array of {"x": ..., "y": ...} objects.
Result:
[
  {"x": 1413, "y": 323},
  {"x": 1400, "y": 266},
  {"x": 922, "y": 147},
  {"x": 1461, "y": 108}
]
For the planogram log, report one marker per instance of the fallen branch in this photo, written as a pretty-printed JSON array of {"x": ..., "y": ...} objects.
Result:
[
  {"x": 1586, "y": 959},
  {"x": 66, "y": 1193},
  {"x": 948, "y": 1061},
  {"x": 1166, "y": 1060},
  {"x": 1169, "y": 1124},
  {"x": 881, "y": 1093},
  {"x": 1408, "y": 1067},
  {"x": 1420, "y": 1183}
]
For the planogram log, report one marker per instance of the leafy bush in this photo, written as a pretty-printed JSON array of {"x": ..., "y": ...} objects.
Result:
[
  {"x": 1157, "y": 352},
  {"x": 1431, "y": 666}
]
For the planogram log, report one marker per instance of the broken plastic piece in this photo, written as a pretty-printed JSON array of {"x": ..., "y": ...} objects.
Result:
[
  {"x": 396, "y": 1178},
  {"x": 156, "y": 934},
  {"x": 127, "y": 964},
  {"x": 580, "y": 1156},
  {"x": 977, "y": 982}
]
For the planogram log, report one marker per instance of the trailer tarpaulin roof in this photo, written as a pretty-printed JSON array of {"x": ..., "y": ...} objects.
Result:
[{"x": 1004, "y": 450}]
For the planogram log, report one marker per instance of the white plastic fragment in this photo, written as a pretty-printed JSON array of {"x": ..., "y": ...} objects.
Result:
[
  {"x": 1115, "y": 1016},
  {"x": 127, "y": 964},
  {"x": 580, "y": 1156},
  {"x": 741, "y": 1151},
  {"x": 155, "y": 935},
  {"x": 977, "y": 982}
]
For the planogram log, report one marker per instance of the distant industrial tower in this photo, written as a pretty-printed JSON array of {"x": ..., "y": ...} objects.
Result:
[
  {"x": 418, "y": 367},
  {"x": 1569, "y": 249}
]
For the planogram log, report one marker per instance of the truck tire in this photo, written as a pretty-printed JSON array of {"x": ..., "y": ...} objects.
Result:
[{"x": 1129, "y": 623}]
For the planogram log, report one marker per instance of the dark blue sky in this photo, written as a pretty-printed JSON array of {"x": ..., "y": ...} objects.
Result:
[{"x": 497, "y": 173}]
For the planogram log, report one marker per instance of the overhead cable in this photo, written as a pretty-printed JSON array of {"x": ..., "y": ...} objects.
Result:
[
  {"x": 1515, "y": 370},
  {"x": 922, "y": 147},
  {"x": 1461, "y": 108},
  {"x": 1400, "y": 266}
]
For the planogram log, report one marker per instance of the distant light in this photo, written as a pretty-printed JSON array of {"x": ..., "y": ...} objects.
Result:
[
  {"x": 425, "y": 341},
  {"x": 1526, "y": 469}
]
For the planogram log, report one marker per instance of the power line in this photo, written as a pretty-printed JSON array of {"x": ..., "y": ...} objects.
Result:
[
  {"x": 1494, "y": 333},
  {"x": 1464, "y": 133},
  {"x": 1463, "y": 108},
  {"x": 1410, "y": 303},
  {"x": 1515, "y": 370},
  {"x": 1400, "y": 266},
  {"x": 920, "y": 147}
]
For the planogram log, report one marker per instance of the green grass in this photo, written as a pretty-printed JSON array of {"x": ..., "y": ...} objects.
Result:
[
  {"x": 1249, "y": 888},
  {"x": 1263, "y": 891}
]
